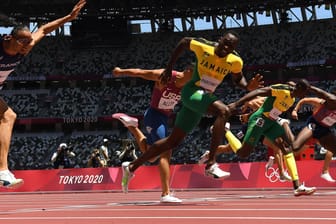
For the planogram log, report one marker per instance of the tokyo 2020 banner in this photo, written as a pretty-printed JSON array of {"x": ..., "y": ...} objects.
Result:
[{"x": 243, "y": 175}]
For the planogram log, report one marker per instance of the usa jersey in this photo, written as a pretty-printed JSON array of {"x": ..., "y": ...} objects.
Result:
[
  {"x": 7, "y": 62},
  {"x": 164, "y": 100},
  {"x": 325, "y": 117}
]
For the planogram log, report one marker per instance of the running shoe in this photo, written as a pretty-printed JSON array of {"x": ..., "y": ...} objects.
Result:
[
  {"x": 285, "y": 176},
  {"x": 227, "y": 126},
  {"x": 204, "y": 157},
  {"x": 215, "y": 172},
  {"x": 303, "y": 190},
  {"x": 323, "y": 150},
  {"x": 127, "y": 176},
  {"x": 281, "y": 121},
  {"x": 127, "y": 121},
  {"x": 270, "y": 162},
  {"x": 327, "y": 177},
  {"x": 170, "y": 199},
  {"x": 8, "y": 180}
]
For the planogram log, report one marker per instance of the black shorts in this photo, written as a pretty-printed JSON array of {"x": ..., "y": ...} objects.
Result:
[{"x": 318, "y": 130}]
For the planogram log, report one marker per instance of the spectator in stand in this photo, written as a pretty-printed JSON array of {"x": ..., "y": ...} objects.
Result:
[
  {"x": 13, "y": 48},
  {"x": 96, "y": 159},
  {"x": 62, "y": 156}
]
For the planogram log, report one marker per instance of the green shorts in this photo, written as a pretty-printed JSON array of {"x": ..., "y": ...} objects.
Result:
[
  {"x": 259, "y": 125},
  {"x": 195, "y": 103}
]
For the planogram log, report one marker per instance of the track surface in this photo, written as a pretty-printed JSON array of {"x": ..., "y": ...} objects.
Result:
[{"x": 199, "y": 206}]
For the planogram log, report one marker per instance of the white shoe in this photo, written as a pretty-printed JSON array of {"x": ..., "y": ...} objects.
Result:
[
  {"x": 170, "y": 199},
  {"x": 8, "y": 180},
  {"x": 127, "y": 176},
  {"x": 285, "y": 176},
  {"x": 323, "y": 150},
  {"x": 281, "y": 121},
  {"x": 127, "y": 121},
  {"x": 215, "y": 172},
  {"x": 227, "y": 126},
  {"x": 327, "y": 177},
  {"x": 270, "y": 162},
  {"x": 204, "y": 157},
  {"x": 303, "y": 190}
]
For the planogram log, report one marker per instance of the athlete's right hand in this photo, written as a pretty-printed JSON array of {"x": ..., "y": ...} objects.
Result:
[
  {"x": 165, "y": 77},
  {"x": 295, "y": 115}
]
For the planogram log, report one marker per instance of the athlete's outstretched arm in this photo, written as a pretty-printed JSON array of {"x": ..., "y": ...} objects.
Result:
[
  {"x": 148, "y": 74},
  {"x": 314, "y": 101},
  {"x": 265, "y": 91},
  {"x": 329, "y": 97},
  {"x": 53, "y": 25},
  {"x": 182, "y": 46}
]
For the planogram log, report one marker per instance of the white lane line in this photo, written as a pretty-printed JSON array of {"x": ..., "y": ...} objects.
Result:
[{"x": 168, "y": 217}]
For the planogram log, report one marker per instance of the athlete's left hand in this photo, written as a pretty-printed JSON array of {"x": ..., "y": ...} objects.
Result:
[
  {"x": 76, "y": 9},
  {"x": 255, "y": 83}
]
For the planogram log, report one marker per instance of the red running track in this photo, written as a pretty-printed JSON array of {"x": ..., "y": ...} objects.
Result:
[{"x": 199, "y": 206}]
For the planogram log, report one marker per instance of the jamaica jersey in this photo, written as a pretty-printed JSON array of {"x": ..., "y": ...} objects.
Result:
[
  {"x": 211, "y": 69},
  {"x": 280, "y": 101}
]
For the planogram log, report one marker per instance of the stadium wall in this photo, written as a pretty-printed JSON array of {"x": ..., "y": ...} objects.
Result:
[{"x": 243, "y": 175}]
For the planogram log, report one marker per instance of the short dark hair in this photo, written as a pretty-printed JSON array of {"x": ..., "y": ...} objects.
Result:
[
  {"x": 234, "y": 33},
  {"x": 302, "y": 84},
  {"x": 19, "y": 28}
]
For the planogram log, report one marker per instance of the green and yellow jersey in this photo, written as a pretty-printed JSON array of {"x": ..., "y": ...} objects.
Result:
[
  {"x": 280, "y": 101},
  {"x": 210, "y": 70}
]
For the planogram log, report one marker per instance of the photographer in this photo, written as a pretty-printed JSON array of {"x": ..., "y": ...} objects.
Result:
[
  {"x": 95, "y": 159},
  {"x": 61, "y": 158},
  {"x": 103, "y": 150},
  {"x": 128, "y": 150}
]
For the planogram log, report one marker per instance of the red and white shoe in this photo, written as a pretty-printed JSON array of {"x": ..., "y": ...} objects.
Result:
[{"x": 127, "y": 121}]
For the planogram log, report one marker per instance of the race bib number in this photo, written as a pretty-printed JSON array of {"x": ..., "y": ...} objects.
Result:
[
  {"x": 167, "y": 104},
  {"x": 275, "y": 113},
  {"x": 260, "y": 122},
  {"x": 209, "y": 83},
  {"x": 329, "y": 121}
]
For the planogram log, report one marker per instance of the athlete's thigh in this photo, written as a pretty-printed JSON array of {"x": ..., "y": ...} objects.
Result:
[
  {"x": 274, "y": 131},
  {"x": 187, "y": 119},
  {"x": 156, "y": 125},
  {"x": 255, "y": 129},
  {"x": 196, "y": 99},
  {"x": 303, "y": 136}
]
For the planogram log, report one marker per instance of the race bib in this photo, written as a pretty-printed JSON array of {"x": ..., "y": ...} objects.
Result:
[
  {"x": 209, "y": 83},
  {"x": 167, "y": 103},
  {"x": 329, "y": 121},
  {"x": 260, "y": 122},
  {"x": 274, "y": 113}
]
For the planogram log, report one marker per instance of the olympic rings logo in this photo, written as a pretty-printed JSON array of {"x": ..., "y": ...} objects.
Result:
[{"x": 273, "y": 175}]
